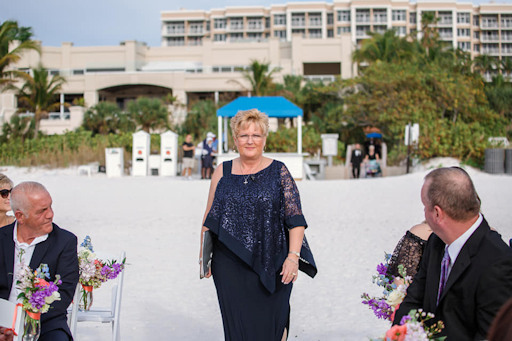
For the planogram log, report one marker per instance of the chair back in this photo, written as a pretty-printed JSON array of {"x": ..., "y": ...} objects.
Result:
[{"x": 12, "y": 316}]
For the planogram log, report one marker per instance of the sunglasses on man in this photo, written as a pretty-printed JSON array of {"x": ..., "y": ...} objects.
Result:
[{"x": 5, "y": 193}]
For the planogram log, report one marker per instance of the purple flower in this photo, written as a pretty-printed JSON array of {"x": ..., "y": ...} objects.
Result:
[
  {"x": 382, "y": 269},
  {"x": 37, "y": 300},
  {"x": 405, "y": 319}
]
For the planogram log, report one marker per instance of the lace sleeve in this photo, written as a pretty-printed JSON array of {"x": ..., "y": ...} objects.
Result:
[
  {"x": 407, "y": 252},
  {"x": 292, "y": 207}
]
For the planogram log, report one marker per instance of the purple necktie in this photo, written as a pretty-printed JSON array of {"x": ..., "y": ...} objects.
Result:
[{"x": 444, "y": 273}]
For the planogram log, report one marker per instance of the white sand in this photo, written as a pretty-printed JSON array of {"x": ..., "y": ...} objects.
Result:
[{"x": 157, "y": 221}]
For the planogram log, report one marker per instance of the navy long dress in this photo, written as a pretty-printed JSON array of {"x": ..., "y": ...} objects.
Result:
[{"x": 250, "y": 218}]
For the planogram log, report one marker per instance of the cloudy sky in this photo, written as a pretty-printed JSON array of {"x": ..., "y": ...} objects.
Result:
[{"x": 108, "y": 22}]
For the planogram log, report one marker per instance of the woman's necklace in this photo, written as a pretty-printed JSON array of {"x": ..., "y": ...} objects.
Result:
[{"x": 246, "y": 176}]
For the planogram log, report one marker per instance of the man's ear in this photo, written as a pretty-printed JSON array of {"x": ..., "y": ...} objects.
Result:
[{"x": 19, "y": 216}]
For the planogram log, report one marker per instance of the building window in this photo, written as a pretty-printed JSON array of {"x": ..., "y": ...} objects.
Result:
[
  {"x": 279, "y": 19},
  {"x": 463, "y": 18},
  {"x": 219, "y": 23},
  {"x": 445, "y": 18},
  {"x": 381, "y": 29},
  {"x": 236, "y": 23},
  {"x": 344, "y": 16},
  {"x": 361, "y": 31},
  {"x": 254, "y": 24},
  {"x": 301, "y": 32},
  {"x": 219, "y": 37},
  {"x": 315, "y": 20},
  {"x": 401, "y": 30},
  {"x": 236, "y": 36},
  {"x": 254, "y": 36},
  {"x": 476, "y": 47},
  {"x": 463, "y": 32},
  {"x": 267, "y": 22},
  {"x": 176, "y": 27},
  {"x": 330, "y": 19},
  {"x": 194, "y": 41},
  {"x": 208, "y": 26},
  {"x": 506, "y": 21},
  {"x": 380, "y": 16},
  {"x": 490, "y": 36},
  {"x": 298, "y": 20},
  {"x": 330, "y": 33},
  {"x": 476, "y": 34},
  {"x": 315, "y": 33},
  {"x": 195, "y": 28},
  {"x": 490, "y": 21},
  {"x": 362, "y": 15},
  {"x": 78, "y": 72},
  {"x": 398, "y": 15},
  {"x": 464, "y": 45},
  {"x": 412, "y": 18},
  {"x": 345, "y": 29},
  {"x": 176, "y": 41},
  {"x": 281, "y": 34},
  {"x": 445, "y": 33},
  {"x": 476, "y": 20}
]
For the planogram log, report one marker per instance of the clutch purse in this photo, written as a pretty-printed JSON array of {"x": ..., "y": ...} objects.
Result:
[{"x": 206, "y": 260}]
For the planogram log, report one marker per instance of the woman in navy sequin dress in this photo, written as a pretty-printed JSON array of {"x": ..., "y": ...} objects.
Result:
[{"x": 255, "y": 215}]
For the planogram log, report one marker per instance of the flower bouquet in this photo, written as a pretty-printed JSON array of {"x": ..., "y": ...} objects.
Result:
[
  {"x": 36, "y": 295},
  {"x": 94, "y": 272},
  {"x": 413, "y": 328},
  {"x": 395, "y": 289}
]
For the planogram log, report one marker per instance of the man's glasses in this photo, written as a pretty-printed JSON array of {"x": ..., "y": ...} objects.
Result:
[
  {"x": 5, "y": 193},
  {"x": 245, "y": 138}
]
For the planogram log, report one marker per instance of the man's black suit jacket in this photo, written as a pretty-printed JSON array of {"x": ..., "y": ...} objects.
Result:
[
  {"x": 479, "y": 283},
  {"x": 59, "y": 251}
]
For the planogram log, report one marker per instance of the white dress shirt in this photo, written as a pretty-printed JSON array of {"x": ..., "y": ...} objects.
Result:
[{"x": 22, "y": 255}]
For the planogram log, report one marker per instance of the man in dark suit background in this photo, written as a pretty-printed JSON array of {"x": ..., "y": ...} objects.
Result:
[
  {"x": 477, "y": 266},
  {"x": 356, "y": 159},
  {"x": 34, "y": 238}
]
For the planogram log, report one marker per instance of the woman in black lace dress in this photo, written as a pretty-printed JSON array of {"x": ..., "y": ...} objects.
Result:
[
  {"x": 409, "y": 250},
  {"x": 255, "y": 215}
]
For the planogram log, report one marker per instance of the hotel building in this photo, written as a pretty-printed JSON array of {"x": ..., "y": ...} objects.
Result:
[{"x": 202, "y": 53}]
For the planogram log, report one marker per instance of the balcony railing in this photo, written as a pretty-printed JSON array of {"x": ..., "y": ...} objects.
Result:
[
  {"x": 298, "y": 23},
  {"x": 236, "y": 27},
  {"x": 362, "y": 19},
  {"x": 175, "y": 32},
  {"x": 195, "y": 30},
  {"x": 489, "y": 24}
]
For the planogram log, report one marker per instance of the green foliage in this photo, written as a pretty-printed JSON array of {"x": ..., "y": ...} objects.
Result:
[
  {"x": 149, "y": 113},
  {"x": 259, "y": 76},
  {"x": 71, "y": 148},
  {"x": 201, "y": 119},
  {"x": 39, "y": 94},
  {"x": 284, "y": 140},
  {"x": 107, "y": 118},
  {"x": 9, "y": 33}
]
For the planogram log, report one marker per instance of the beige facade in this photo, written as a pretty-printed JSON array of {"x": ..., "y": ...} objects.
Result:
[
  {"x": 123, "y": 73},
  {"x": 202, "y": 53}
]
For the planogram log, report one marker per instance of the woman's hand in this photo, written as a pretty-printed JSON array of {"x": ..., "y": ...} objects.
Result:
[{"x": 290, "y": 269}]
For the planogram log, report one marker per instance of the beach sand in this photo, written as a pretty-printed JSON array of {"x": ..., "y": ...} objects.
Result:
[{"x": 157, "y": 221}]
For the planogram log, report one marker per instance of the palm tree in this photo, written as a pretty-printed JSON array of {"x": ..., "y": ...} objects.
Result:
[
  {"x": 259, "y": 76},
  {"x": 485, "y": 64},
  {"x": 39, "y": 94},
  {"x": 14, "y": 40},
  {"x": 149, "y": 113},
  {"x": 506, "y": 67},
  {"x": 105, "y": 118},
  {"x": 386, "y": 47}
]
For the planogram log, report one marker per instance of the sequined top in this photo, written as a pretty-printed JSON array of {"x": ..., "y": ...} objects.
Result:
[
  {"x": 251, "y": 215},
  {"x": 407, "y": 252}
]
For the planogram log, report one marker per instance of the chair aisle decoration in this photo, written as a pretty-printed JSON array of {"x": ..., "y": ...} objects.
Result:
[
  {"x": 93, "y": 273},
  {"x": 36, "y": 295}
]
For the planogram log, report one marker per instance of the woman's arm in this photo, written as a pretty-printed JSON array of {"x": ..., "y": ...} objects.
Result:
[{"x": 290, "y": 269}]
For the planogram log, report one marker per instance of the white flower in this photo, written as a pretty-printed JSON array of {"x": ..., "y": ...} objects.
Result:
[
  {"x": 54, "y": 297},
  {"x": 395, "y": 297},
  {"x": 415, "y": 332}
]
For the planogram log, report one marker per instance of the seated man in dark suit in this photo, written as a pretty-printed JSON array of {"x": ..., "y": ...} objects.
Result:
[
  {"x": 34, "y": 239},
  {"x": 465, "y": 274}
]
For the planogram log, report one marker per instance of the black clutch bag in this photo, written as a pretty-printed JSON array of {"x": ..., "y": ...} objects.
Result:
[{"x": 206, "y": 260}]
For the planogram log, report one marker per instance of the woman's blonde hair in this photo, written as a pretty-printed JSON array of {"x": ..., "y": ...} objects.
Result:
[
  {"x": 4, "y": 180},
  {"x": 244, "y": 117}
]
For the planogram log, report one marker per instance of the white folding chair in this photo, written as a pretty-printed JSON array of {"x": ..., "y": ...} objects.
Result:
[
  {"x": 12, "y": 316},
  {"x": 103, "y": 315}
]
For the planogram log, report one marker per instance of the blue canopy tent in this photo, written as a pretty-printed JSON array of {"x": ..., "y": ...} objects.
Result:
[{"x": 273, "y": 106}]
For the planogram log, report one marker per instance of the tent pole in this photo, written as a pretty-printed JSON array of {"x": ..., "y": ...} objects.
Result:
[
  {"x": 219, "y": 145},
  {"x": 299, "y": 134}
]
